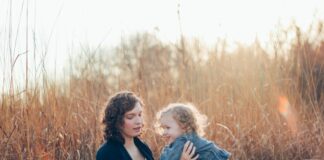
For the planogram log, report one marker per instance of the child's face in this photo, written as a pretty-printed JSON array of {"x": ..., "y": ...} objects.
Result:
[{"x": 171, "y": 129}]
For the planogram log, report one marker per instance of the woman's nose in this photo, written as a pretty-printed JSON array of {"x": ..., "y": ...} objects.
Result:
[{"x": 139, "y": 120}]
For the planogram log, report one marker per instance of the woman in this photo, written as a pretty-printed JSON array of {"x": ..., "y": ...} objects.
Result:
[{"x": 123, "y": 122}]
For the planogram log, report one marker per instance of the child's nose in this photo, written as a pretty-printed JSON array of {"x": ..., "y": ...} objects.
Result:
[{"x": 164, "y": 133}]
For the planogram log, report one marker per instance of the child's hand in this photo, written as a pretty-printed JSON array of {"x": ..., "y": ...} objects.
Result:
[{"x": 188, "y": 152}]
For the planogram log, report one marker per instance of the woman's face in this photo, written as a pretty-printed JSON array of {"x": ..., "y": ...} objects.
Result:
[
  {"x": 171, "y": 129},
  {"x": 133, "y": 122}
]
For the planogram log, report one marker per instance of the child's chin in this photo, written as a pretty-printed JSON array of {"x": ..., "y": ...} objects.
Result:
[
  {"x": 170, "y": 141},
  {"x": 167, "y": 140}
]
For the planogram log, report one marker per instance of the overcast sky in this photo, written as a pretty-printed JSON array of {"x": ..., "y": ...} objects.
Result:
[{"x": 59, "y": 27}]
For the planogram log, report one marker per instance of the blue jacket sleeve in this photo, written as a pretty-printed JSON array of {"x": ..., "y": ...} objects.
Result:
[{"x": 174, "y": 151}]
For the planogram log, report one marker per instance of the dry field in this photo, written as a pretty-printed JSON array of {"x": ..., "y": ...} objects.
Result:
[{"x": 261, "y": 104}]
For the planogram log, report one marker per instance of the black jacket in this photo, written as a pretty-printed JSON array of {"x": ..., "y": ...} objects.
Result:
[{"x": 113, "y": 150}]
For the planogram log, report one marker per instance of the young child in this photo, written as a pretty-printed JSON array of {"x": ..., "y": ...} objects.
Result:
[{"x": 179, "y": 123}]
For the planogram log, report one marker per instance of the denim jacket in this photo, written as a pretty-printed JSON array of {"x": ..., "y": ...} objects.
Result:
[{"x": 207, "y": 150}]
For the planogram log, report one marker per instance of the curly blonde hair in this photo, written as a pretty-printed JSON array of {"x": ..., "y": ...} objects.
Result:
[{"x": 186, "y": 115}]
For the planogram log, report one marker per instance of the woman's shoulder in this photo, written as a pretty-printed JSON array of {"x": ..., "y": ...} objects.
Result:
[
  {"x": 106, "y": 149},
  {"x": 108, "y": 145}
]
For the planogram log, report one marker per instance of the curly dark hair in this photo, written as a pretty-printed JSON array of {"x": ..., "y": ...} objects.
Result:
[{"x": 113, "y": 119}]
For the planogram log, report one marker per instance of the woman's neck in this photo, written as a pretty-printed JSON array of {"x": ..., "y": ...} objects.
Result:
[
  {"x": 132, "y": 150},
  {"x": 129, "y": 142}
]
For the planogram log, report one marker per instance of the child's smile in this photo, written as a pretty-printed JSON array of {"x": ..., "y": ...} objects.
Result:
[{"x": 171, "y": 129}]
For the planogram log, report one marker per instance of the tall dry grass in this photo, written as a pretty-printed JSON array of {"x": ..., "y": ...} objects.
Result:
[{"x": 260, "y": 104}]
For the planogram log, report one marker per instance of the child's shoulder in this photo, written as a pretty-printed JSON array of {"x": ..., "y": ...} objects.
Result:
[
  {"x": 184, "y": 138},
  {"x": 179, "y": 141}
]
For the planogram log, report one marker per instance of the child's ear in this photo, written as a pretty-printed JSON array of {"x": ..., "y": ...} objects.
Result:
[
  {"x": 188, "y": 129},
  {"x": 185, "y": 128}
]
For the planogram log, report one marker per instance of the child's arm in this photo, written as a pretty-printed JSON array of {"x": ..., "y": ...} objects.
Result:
[{"x": 215, "y": 153}]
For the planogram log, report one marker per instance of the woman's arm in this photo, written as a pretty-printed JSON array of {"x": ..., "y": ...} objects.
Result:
[{"x": 188, "y": 152}]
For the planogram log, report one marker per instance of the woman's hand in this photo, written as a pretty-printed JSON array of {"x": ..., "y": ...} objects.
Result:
[{"x": 189, "y": 152}]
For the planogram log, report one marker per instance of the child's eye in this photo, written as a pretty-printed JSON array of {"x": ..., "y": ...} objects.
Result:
[{"x": 166, "y": 127}]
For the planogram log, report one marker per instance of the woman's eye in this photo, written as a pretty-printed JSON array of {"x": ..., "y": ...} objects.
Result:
[{"x": 130, "y": 117}]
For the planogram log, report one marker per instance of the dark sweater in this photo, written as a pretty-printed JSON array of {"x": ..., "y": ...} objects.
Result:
[{"x": 113, "y": 150}]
